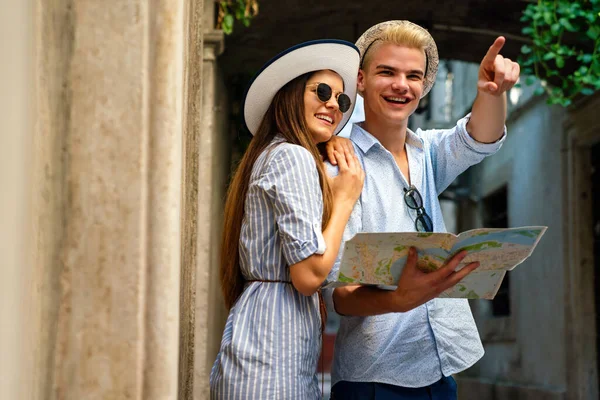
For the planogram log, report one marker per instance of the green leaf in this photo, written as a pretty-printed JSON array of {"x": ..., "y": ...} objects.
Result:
[
  {"x": 528, "y": 30},
  {"x": 527, "y": 62},
  {"x": 587, "y": 58},
  {"x": 567, "y": 25},
  {"x": 593, "y": 32},
  {"x": 587, "y": 91},
  {"x": 555, "y": 29},
  {"x": 530, "y": 11},
  {"x": 228, "y": 24},
  {"x": 591, "y": 17},
  {"x": 530, "y": 80},
  {"x": 545, "y": 23},
  {"x": 538, "y": 91},
  {"x": 239, "y": 13},
  {"x": 557, "y": 92}
]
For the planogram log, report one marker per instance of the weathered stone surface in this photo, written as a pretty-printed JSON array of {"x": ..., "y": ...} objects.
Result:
[
  {"x": 18, "y": 351},
  {"x": 109, "y": 139},
  {"x": 213, "y": 160},
  {"x": 192, "y": 131}
]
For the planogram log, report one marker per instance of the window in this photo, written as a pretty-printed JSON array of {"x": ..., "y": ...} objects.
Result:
[{"x": 495, "y": 215}]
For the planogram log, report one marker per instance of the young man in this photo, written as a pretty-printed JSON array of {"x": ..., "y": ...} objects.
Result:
[{"x": 406, "y": 344}]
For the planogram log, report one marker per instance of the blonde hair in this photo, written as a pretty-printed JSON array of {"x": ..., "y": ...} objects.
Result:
[{"x": 409, "y": 35}]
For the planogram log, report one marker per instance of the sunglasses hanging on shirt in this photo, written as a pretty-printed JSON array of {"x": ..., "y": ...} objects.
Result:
[{"x": 413, "y": 200}]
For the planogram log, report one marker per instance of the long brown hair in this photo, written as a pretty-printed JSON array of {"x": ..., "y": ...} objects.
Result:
[{"x": 285, "y": 116}]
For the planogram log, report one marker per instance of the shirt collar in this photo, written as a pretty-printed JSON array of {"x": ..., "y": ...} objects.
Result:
[{"x": 364, "y": 140}]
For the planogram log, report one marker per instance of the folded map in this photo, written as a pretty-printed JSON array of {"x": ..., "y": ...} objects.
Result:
[{"x": 378, "y": 258}]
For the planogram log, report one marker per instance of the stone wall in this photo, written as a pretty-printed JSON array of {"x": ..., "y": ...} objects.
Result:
[
  {"x": 526, "y": 349},
  {"x": 113, "y": 153},
  {"x": 17, "y": 335}
]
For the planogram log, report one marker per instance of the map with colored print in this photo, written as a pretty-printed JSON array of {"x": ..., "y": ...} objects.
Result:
[{"x": 378, "y": 258}]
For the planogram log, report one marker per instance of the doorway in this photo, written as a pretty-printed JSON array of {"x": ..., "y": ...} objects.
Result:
[{"x": 595, "y": 184}]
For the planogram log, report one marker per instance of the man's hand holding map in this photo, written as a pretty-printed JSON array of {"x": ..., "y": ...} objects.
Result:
[{"x": 378, "y": 258}]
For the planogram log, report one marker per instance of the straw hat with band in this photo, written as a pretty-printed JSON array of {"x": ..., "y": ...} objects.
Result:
[
  {"x": 375, "y": 33},
  {"x": 336, "y": 55}
]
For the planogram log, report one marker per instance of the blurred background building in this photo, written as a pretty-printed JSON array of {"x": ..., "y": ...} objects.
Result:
[{"x": 121, "y": 124}]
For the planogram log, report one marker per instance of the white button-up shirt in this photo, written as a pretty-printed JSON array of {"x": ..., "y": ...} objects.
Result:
[{"x": 412, "y": 349}]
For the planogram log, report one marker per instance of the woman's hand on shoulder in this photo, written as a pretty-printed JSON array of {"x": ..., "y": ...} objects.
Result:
[
  {"x": 339, "y": 144},
  {"x": 347, "y": 185}
]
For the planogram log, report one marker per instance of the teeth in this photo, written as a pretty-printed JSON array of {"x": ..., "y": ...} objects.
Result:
[
  {"x": 398, "y": 99},
  {"x": 325, "y": 118}
]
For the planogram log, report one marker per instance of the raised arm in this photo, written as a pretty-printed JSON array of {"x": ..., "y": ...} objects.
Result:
[
  {"x": 496, "y": 76},
  {"x": 308, "y": 274}
]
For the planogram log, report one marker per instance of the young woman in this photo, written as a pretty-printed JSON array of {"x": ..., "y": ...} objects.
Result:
[{"x": 284, "y": 220}]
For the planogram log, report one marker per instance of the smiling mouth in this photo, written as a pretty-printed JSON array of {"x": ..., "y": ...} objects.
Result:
[
  {"x": 325, "y": 118},
  {"x": 396, "y": 100}
]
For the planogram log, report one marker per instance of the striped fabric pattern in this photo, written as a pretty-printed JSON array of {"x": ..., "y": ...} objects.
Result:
[{"x": 272, "y": 337}]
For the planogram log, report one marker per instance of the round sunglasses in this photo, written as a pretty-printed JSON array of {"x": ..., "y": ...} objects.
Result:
[
  {"x": 324, "y": 93},
  {"x": 413, "y": 200}
]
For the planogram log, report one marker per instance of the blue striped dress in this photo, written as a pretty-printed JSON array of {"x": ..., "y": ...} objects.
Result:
[{"x": 272, "y": 337}]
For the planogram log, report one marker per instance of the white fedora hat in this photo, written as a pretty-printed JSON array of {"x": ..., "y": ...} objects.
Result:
[{"x": 337, "y": 55}]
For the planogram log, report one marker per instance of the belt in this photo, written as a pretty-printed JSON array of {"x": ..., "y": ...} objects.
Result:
[{"x": 322, "y": 307}]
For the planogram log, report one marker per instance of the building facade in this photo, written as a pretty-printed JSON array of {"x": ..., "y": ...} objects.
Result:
[{"x": 124, "y": 122}]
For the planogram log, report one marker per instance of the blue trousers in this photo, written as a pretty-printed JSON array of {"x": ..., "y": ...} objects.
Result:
[{"x": 444, "y": 389}]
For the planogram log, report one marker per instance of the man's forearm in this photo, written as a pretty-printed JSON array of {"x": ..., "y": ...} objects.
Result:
[
  {"x": 488, "y": 117},
  {"x": 363, "y": 301}
]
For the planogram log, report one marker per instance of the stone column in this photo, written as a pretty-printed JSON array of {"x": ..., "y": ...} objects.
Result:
[
  {"x": 213, "y": 168},
  {"x": 206, "y": 166},
  {"x": 17, "y": 340},
  {"x": 107, "y": 201},
  {"x": 193, "y": 129}
]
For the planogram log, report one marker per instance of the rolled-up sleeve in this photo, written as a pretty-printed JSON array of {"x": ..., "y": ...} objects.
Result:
[
  {"x": 292, "y": 183},
  {"x": 353, "y": 226},
  {"x": 453, "y": 150}
]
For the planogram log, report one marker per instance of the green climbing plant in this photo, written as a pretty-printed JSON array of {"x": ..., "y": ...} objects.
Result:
[
  {"x": 230, "y": 10},
  {"x": 564, "y": 52}
]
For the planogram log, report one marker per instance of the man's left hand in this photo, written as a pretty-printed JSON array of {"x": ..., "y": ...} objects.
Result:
[{"x": 496, "y": 73}]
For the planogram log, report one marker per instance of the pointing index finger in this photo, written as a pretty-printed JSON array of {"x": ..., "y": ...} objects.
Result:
[{"x": 494, "y": 50}]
